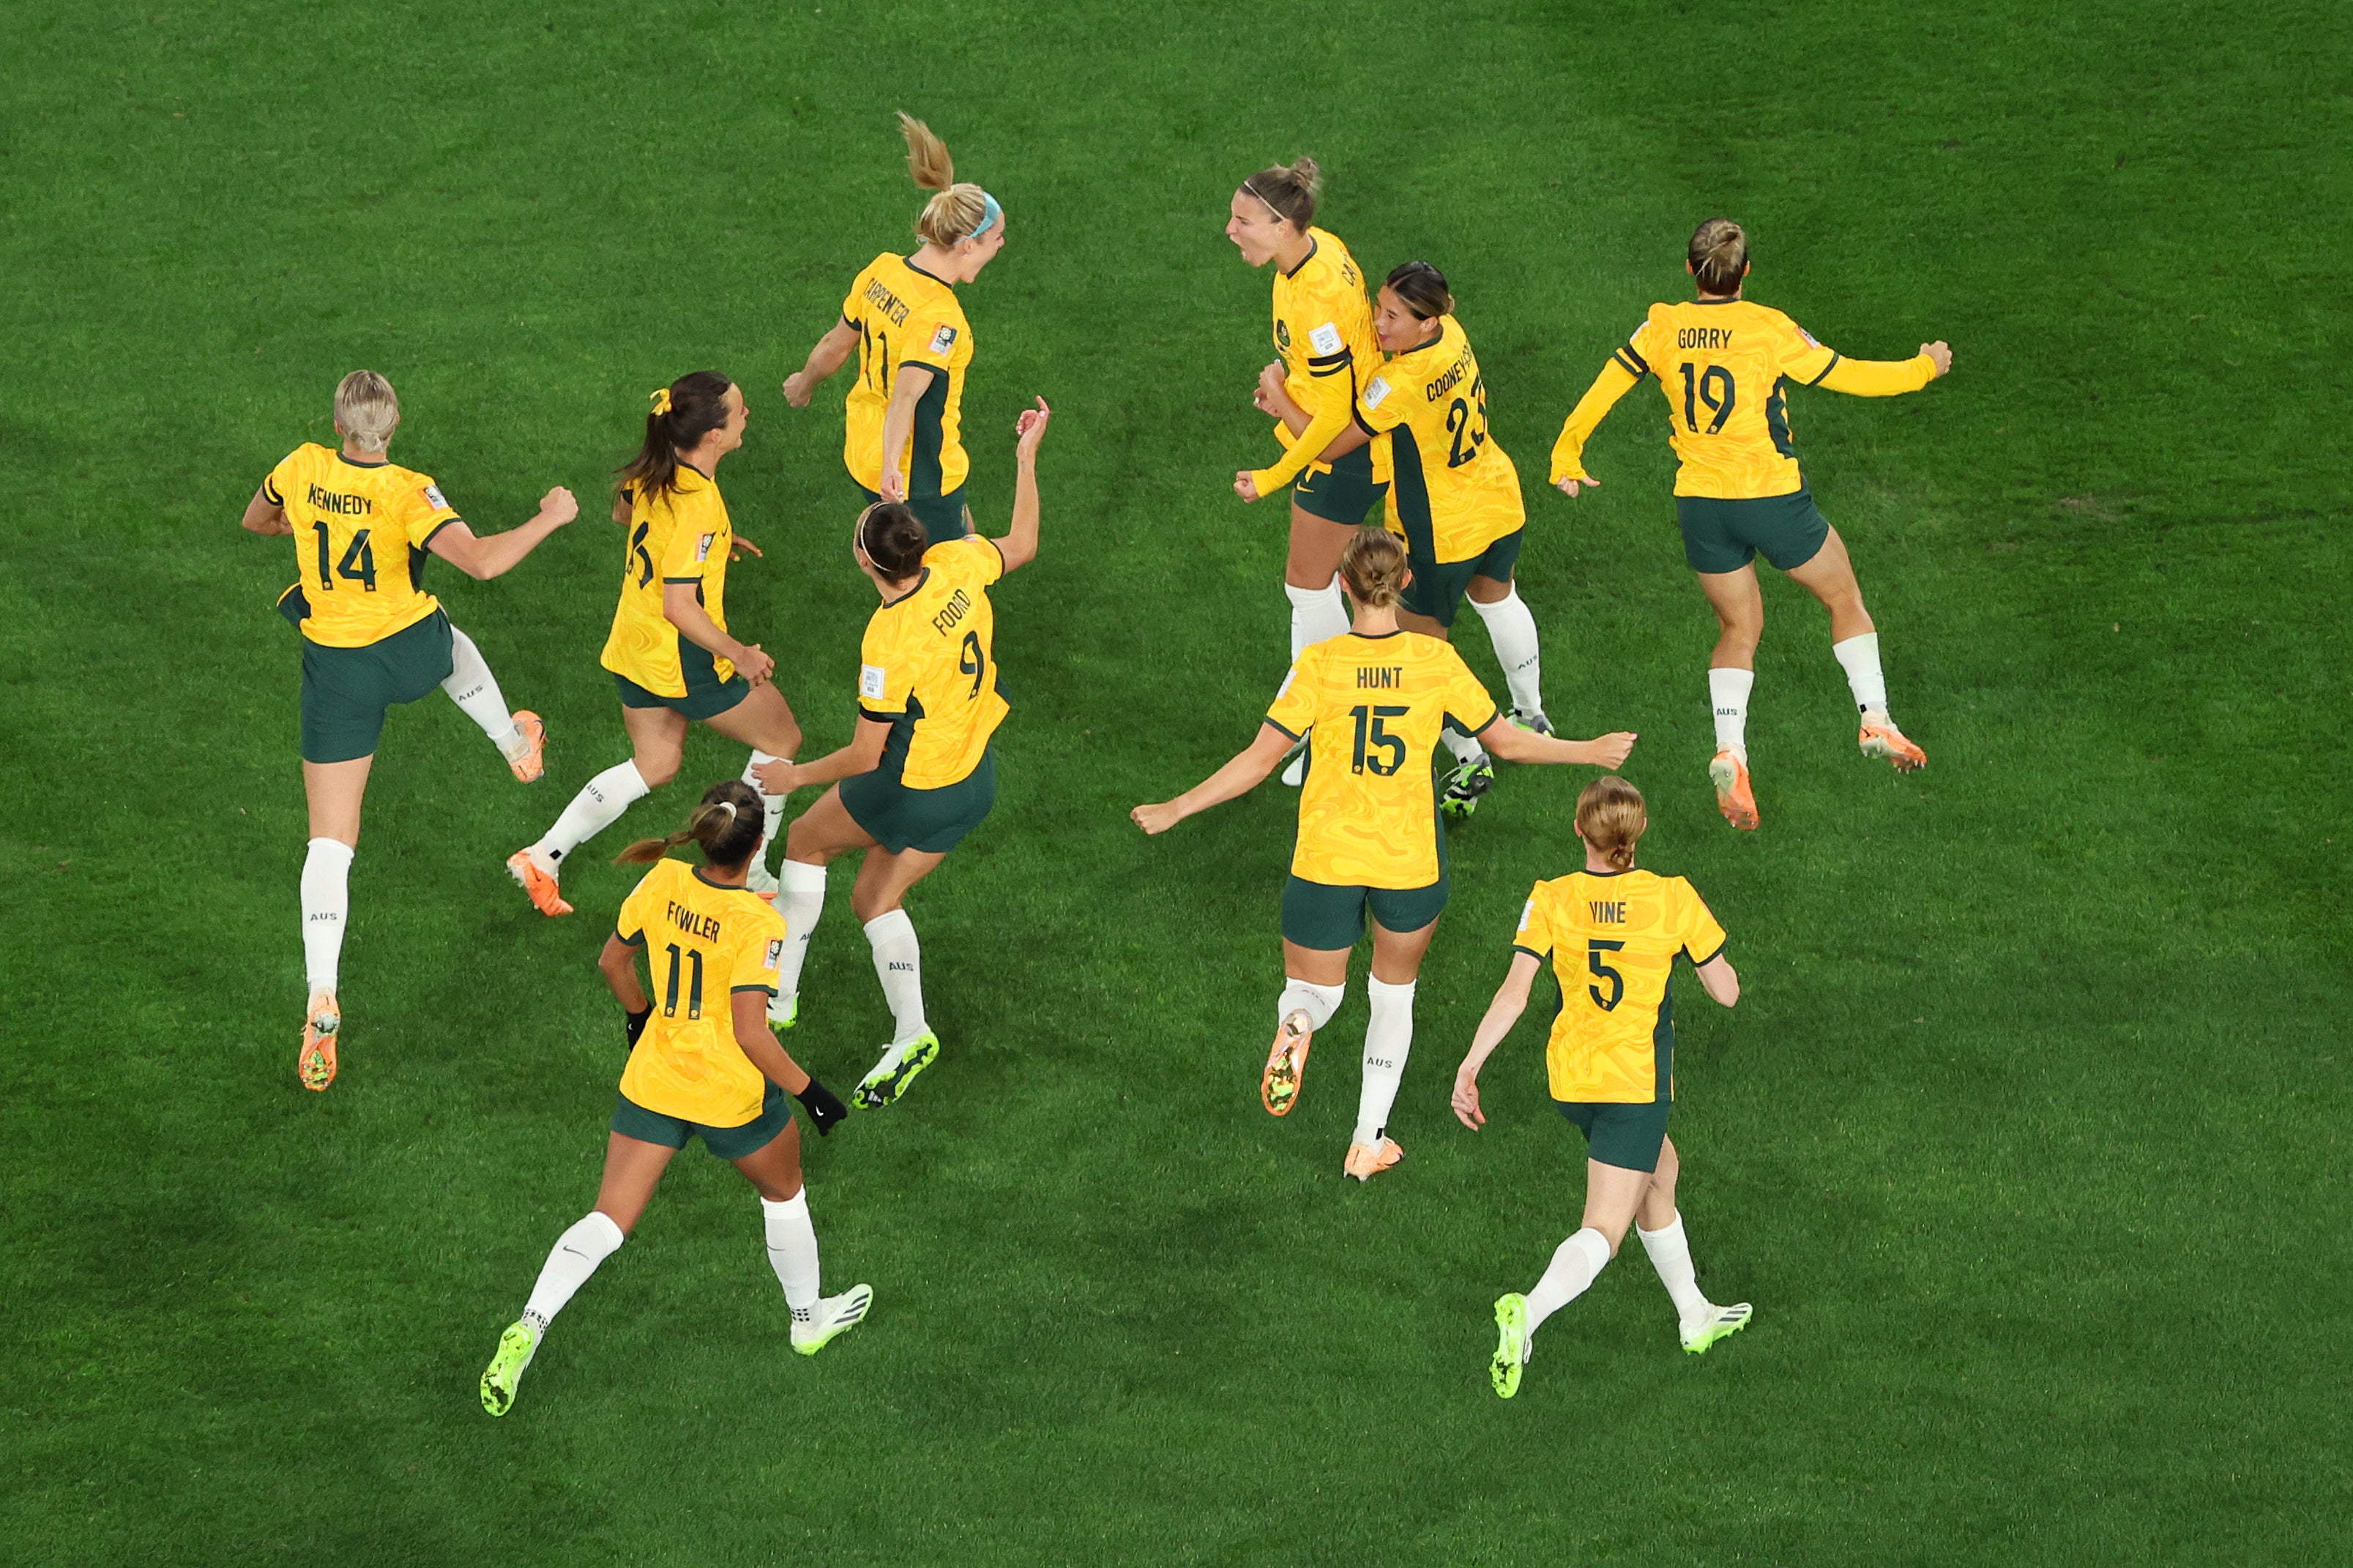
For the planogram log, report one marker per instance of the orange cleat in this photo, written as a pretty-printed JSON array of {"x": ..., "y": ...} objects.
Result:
[
  {"x": 315, "y": 1065},
  {"x": 1366, "y": 1161},
  {"x": 1884, "y": 740},
  {"x": 538, "y": 881},
  {"x": 1734, "y": 796},
  {"x": 1286, "y": 1063},
  {"x": 534, "y": 760}
]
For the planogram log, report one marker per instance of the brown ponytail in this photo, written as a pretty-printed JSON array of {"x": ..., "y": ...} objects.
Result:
[
  {"x": 1373, "y": 565},
  {"x": 893, "y": 538},
  {"x": 726, "y": 824},
  {"x": 1610, "y": 818},
  {"x": 684, "y": 412},
  {"x": 1289, "y": 191},
  {"x": 1719, "y": 256}
]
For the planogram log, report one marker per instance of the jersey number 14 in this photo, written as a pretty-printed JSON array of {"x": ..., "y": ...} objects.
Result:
[{"x": 358, "y": 564}]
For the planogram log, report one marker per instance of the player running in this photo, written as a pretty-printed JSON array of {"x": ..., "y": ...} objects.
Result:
[
  {"x": 1612, "y": 934},
  {"x": 1324, "y": 334},
  {"x": 920, "y": 772},
  {"x": 1370, "y": 703},
  {"x": 902, "y": 421},
  {"x": 702, "y": 1064},
  {"x": 1725, "y": 366},
  {"x": 670, "y": 650},
  {"x": 1455, "y": 496},
  {"x": 372, "y": 637}
]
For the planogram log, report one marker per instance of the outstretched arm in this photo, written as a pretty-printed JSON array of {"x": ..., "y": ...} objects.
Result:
[
  {"x": 1887, "y": 377},
  {"x": 483, "y": 558},
  {"x": 1569, "y": 453},
  {"x": 1722, "y": 984},
  {"x": 1019, "y": 544},
  {"x": 832, "y": 351},
  {"x": 1514, "y": 744},
  {"x": 1511, "y": 1001},
  {"x": 1244, "y": 774}
]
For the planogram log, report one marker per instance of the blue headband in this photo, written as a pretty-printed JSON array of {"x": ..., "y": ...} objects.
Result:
[{"x": 990, "y": 213}]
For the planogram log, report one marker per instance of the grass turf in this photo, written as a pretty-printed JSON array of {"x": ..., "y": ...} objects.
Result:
[{"x": 2028, "y": 1138}]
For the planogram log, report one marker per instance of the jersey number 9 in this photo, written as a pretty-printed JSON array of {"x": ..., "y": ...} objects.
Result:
[{"x": 973, "y": 659}]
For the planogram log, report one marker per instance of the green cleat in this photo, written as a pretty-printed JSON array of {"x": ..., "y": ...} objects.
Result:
[
  {"x": 784, "y": 1012},
  {"x": 895, "y": 1071},
  {"x": 1464, "y": 785},
  {"x": 516, "y": 1347},
  {"x": 1721, "y": 1322},
  {"x": 1510, "y": 1344},
  {"x": 832, "y": 1317}
]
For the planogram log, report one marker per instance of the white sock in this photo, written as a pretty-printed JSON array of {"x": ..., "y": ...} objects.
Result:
[
  {"x": 575, "y": 1257},
  {"x": 597, "y": 807},
  {"x": 800, "y": 901},
  {"x": 792, "y": 1251},
  {"x": 1512, "y": 629},
  {"x": 1317, "y": 615},
  {"x": 1859, "y": 657},
  {"x": 326, "y": 906},
  {"x": 772, "y": 806},
  {"x": 1319, "y": 1002},
  {"x": 1729, "y": 691},
  {"x": 1576, "y": 1264},
  {"x": 1670, "y": 1252},
  {"x": 1464, "y": 748},
  {"x": 475, "y": 691},
  {"x": 898, "y": 965},
  {"x": 1388, "y": 1040}
]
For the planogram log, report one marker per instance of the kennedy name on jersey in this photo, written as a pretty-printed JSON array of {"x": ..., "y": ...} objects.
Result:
[
  {"x": 324, "y": 499},
  {"x": 889, "y": 304}
]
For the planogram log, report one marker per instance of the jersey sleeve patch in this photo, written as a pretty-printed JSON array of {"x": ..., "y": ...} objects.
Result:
[
  {"x": 1527, "y": 913},
  {"x": 1326, "y": 339},
  {"x": 774, "y": 960},
  {"x": 1376, "y": 391},
  {"x": 434, "y": 499},
  {"x": 943, "y": 339},
  {"x": 871, "y": 683}
]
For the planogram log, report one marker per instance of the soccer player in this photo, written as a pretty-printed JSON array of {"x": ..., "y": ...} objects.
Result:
[
  {"x": 1725, "y": 366},
  {"x": 1455, "y": 496},
  {"x": 670, "y": 650},
  {"x": 920, "y": 772},
  {"x": 1370, "y": 703},
  {"x": 1612, "y": 934},
  {"x": 1324, "y": 334},
  {"x": 372, "y": 636},
  {"x": 902, "y": 421},
  {"x": 702, "y": 1064}
]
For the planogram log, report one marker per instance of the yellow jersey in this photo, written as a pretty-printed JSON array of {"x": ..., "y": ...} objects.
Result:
[
  {"x": 1613, "y": 940},
  {"x": 1725, "y": 366},
  {"x": 1371, "y": 708},
  {"x": 928, "y": 667},
  {"x": 1453, "y": 491},
  {"x": 703, "y": 943},
  {"x": 904, "y": 315},
  {"x": 360, "y": 533},
  {"x": 680, "y": 536},
  {"x": 1323, "y": 332}
]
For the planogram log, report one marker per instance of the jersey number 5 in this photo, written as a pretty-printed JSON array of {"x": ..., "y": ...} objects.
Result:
[
  {"x": 1602, "y": 971},
  {"x": 358, "y": 564},
  {"x": 1703, "y": 389},
  {"x": 1372, "y": 739}
]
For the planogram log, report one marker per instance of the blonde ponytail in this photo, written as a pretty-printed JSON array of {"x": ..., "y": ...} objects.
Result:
[{"x": 955, "y": 212}]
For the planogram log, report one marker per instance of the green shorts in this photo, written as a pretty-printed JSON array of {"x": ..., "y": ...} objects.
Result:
[
  {"x": 706, "y": 696},
  {"x": 1346, "y": 492},
  {"x": 1437, "y": 587},
  {"x": 944, "y": 517},
  {"x": 1726, "y": 535},
  {"x": 932, "y": 820},
  {"x": 631, "y": 1120},
  {"x": 346, "y": 691},
  {"x": 1329, "y": 919},
  {"x": 1627, "y": 1136}
]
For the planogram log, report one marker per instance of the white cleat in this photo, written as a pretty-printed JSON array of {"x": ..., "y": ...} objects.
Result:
[{"x": 832, "y": 1316}]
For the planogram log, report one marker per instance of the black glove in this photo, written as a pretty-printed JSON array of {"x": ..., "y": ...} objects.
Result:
[
  {"x": 824, "y": 1107},
  {"x": 636, "y": 1024}
]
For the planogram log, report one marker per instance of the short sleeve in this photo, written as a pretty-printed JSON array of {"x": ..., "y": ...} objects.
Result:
[
  {"x": 279, "y": 479},
  {"x": 1328, "y": 346},
  {"x": 1379, "y": 405},
  {"x": 985, "y": 560},
  {"x": 886, "y": 678},
  {"x": 853, "y": 304},
  {"x": 760, "y": 957},
  {"x": 1702, "y": 938},
  {"x": 1294, "y": 709},
  {"x": 1468, "y": 707},
  {"x": 1634, "y": 355},
  {"x": 430, "y": 511},
  {"x": 692, "y": 538},
  {"x": 929, "y": 338},
  {"x": 1803, "y": 360},
  {"x": 1534, "y": 936},
  {"x": 629, "y": 925}
]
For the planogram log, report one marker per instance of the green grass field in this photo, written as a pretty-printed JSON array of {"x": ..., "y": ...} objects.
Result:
[{"x": 2028, "y": 1139}]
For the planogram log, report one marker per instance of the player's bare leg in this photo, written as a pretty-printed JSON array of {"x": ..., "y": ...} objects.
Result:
[
  {"x": 1739, "y": 606},
  {"x": 334, "y": 793},
  {"x": 1855, "y": 640},
  {"x": 764, "y": 721}
]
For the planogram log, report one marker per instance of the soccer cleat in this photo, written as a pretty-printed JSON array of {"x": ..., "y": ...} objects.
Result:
[
  {"x": 1286, "y": 1063},
  {"x": 1884, "y": 740},
  {"x": 538, "y": 881},
  {"x": 1464, "y": 785},
  {"x": 1535, "y": 723},
  {"x": 1366, "y": 1161},
  {"x": 1734, "y": 796},
  {"x": 1510, "y": 1344},
  {"x": 833, "y": 1316},
  {"x": 532, "y": 761},
  {"x": 315, "y": 1064},
  {"x": 784, "y": 1012},
  {"x": 1721, "y": 1322},
  {"x": 895, "y": 1071},
  {"x": 516, "y": 1347}
]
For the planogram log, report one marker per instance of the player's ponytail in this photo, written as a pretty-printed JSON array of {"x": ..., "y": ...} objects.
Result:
[
  {"x": 1422, "y": 288},
  {"x": 683, "y": 413},
  {"x": 727, "y": 824},
  {"x": 1719, "y": 256},
  {"x": 1289, "y": 191},
  {"x": 956, "y": 212},
  {"x": 1610, "y": 818},
  {"x": 894, "y": 539},
  {"x": 367, "y": 410},
  {"x": 1373, "y": 565}
]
